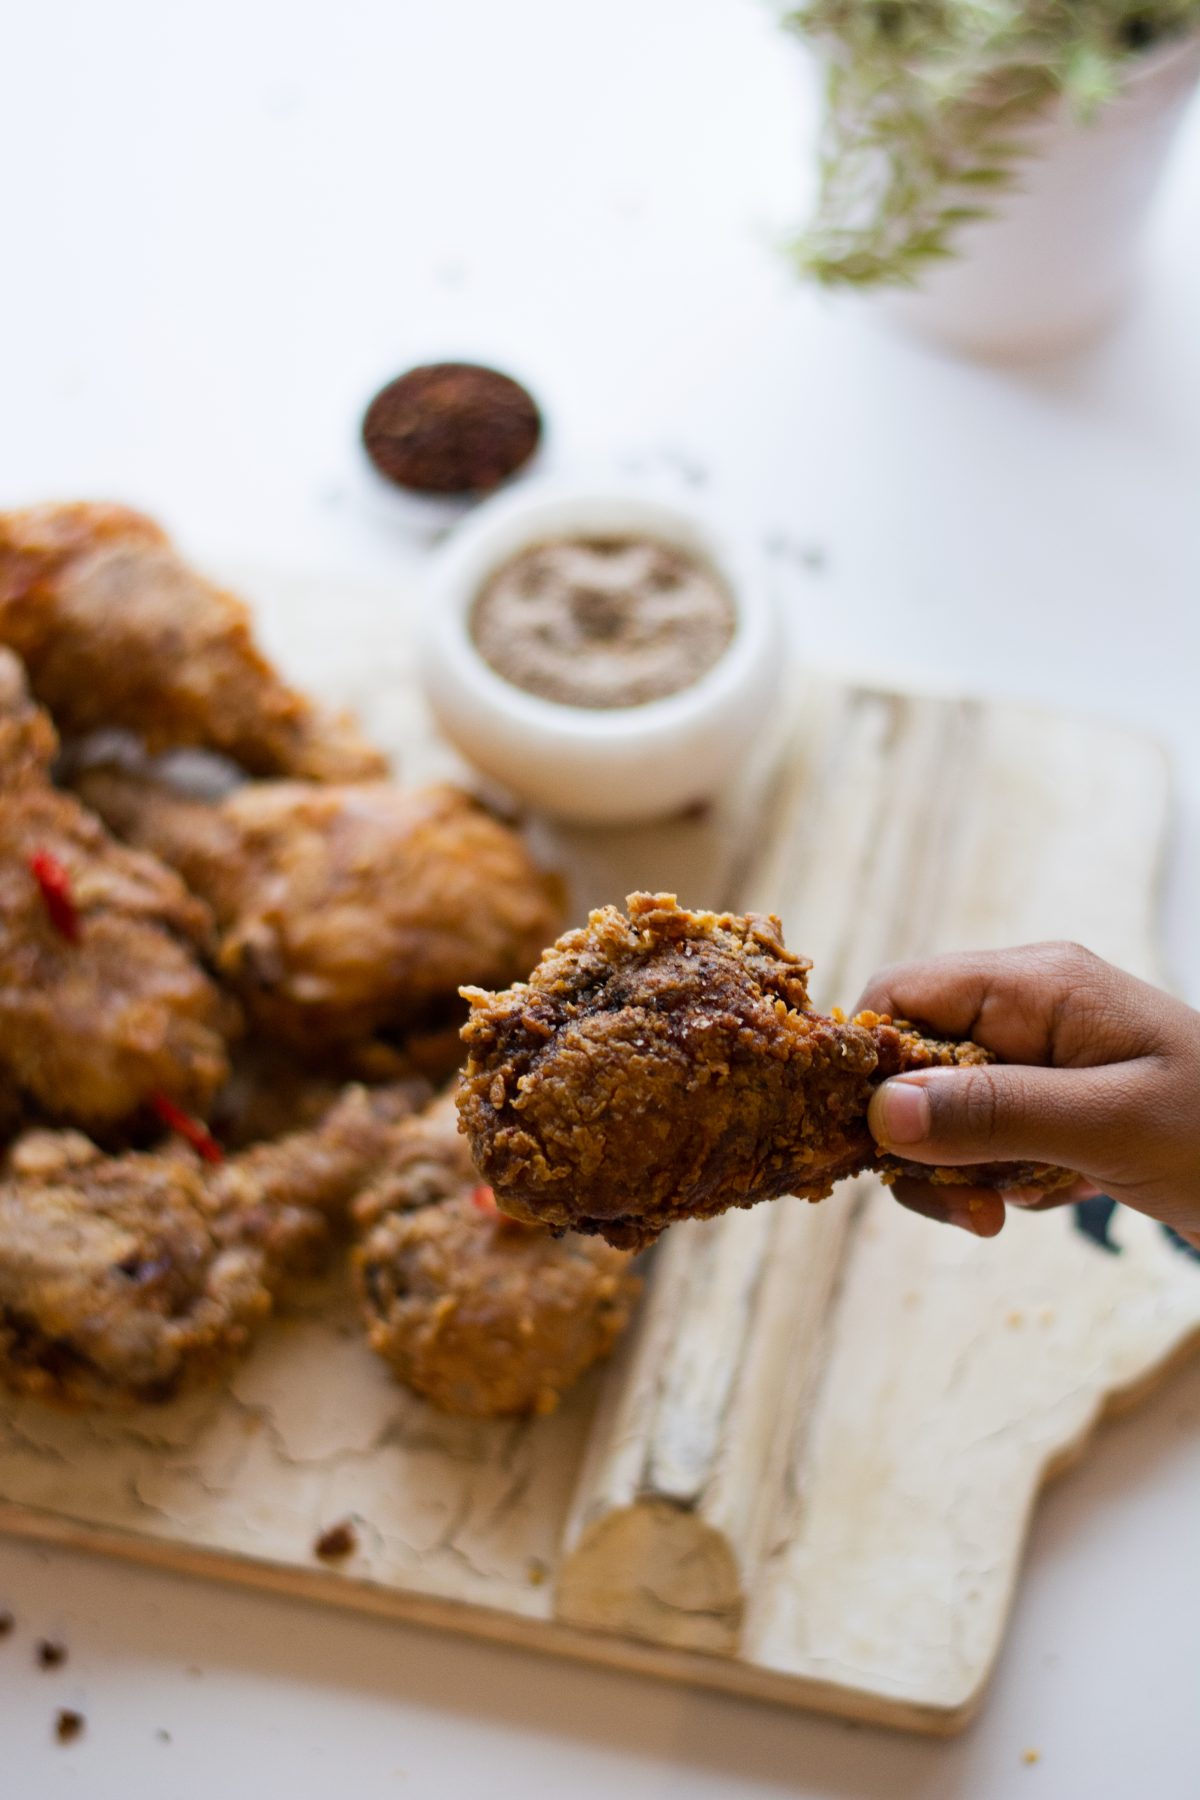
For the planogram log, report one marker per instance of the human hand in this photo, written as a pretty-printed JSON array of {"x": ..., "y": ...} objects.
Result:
[{"x": 1099, "y": 1072}]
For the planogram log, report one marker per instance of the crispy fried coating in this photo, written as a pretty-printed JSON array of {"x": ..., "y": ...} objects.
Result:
[
  {"x": 115, "y": 629},
  {"x": 126, "y": 1279},
  {"x": 480, "y": 1316},
  {"x": 344, "y": 910},
  {"x": 428, "y": 1161},
  {"x": 92, "y": 1025},
  {"x": 667, "y": 1065},
  {"x": 28, "y": 740}
]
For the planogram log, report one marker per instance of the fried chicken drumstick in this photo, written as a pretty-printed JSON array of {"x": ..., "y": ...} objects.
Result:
[
  {"x": 348, "y": 909},
  {"x": 115, "y": 629},
  {"x": 103, "y": 1000},
  {"x": 667, "y": 1065},
  {"x": 479, "y": 1315},
  {"x": 125, "y": 1279}
]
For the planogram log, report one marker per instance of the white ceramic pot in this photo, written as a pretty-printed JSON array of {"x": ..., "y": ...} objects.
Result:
[
  {"x": 1060, "y": 258},
  {"x": 617, "y": 765}
]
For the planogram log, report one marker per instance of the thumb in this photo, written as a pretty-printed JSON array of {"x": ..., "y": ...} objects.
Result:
[{"x": 1006, "y": 1112}]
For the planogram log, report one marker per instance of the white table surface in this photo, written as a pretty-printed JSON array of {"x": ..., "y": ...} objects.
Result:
[{"x": 223, "y": 226}]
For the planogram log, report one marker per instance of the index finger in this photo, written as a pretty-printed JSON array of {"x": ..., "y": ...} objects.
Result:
[{"x": 1027, "y": 1004}]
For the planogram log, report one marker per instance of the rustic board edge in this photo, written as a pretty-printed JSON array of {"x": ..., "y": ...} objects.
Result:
[
  {"x": 551, "y": 1637},
  {"x": 750, "y": 1681}
]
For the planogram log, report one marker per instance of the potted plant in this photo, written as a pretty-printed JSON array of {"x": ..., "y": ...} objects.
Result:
[{"x": 996, "y": 158}]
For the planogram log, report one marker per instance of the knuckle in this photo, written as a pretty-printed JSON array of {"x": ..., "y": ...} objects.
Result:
[{"x": 1074, "y": 962}]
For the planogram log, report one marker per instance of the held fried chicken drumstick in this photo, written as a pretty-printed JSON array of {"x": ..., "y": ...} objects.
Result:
[
  {"x": 348, "y": 909},
  {"x": 103, "y": 1002},
  {"x": 115, "y": 629},
  {"x": 479, "y": 1315},
  {"x": 124, "y": 1279},
  {"x": 667, "y": 1065}
]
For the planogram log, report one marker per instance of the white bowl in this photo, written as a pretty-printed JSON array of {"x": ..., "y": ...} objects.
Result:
[{"x": 618, "y": 765}]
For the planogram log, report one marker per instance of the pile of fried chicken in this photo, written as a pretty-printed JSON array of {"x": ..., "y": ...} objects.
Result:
[
  {"x": 223, "y": 1015},
  {"x": 222, "y": 1018}
]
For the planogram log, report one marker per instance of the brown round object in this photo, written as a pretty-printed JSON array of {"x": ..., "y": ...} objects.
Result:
[
  {"x": 451, "y": 428},
  {"x": 483, "y": 1317}
]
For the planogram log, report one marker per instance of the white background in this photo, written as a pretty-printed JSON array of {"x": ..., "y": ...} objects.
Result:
[{"x": 223, "y": 226}]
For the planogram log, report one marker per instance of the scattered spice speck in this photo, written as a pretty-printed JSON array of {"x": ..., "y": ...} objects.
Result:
[
  {"x": 537, "y": 1571},
  {"x": 1015, "y": 1319},
  {"x": 68, "y": 1725},
  {"x": 50, "y": 1655},
  {"x": 689, "y": 468},
  {"x": 163, "y": 1735},
  {"x": 7, "y": 1624},
  {"x": 783, "y": 548},
  {"x": 337, "y": 1542},
  {"x": 1031, "y": 1756}
]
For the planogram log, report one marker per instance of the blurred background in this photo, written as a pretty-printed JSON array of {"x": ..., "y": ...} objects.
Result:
[{"x": 227, "y": 225}]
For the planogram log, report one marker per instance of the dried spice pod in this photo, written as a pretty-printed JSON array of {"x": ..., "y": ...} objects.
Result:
[{"x": 451, "y": 428}]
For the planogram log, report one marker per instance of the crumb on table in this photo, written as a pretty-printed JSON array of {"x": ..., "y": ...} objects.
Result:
[{"x": 336, "y": 1542}]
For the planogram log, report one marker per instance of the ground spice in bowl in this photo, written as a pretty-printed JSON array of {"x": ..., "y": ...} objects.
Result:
[{"x": 603, "y": 622}]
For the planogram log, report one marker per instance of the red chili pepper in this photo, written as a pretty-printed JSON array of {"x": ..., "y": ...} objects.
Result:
[
  {"x": 194, "y": 1131},
  {"x": 55, "y": 885},
  {"x": 484, "y": 1201}
]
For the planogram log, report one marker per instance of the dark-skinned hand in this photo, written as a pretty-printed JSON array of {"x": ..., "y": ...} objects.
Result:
[{"x": 1099, "y": 1072}]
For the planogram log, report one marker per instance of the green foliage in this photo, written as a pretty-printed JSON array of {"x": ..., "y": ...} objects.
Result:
[{"x": 925, "y": 101}]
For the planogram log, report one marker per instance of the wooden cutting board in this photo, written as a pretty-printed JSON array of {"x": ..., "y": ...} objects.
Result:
[{"x": 807, "y": 1474}]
